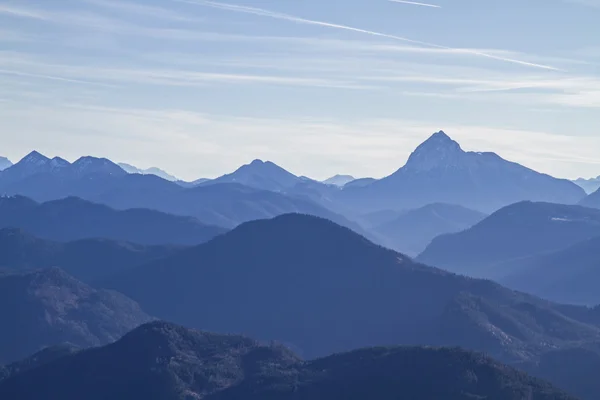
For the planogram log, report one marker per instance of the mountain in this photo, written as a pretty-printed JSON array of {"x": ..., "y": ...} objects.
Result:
[
  {"x": 593, "y": 200},
  {"x": 589, "y": 185},
  {"x": 317, "y": 279},
  {"x": 48, "y": 307},
  {"x": 31, "y": 164},
  {"x": 5, "y": 163},
  {"x": 222, "y": 204},
  {"x": 164, "y": 361},
  {"x": 568, "y": 275},
  {"x": 439, "y": 171},
  {"x": 519, "y": 230},
  {"x": 35, "y": 167},
  {"x": 88, "y": 260},
  {"x": 339, "y": 180},
  {"x": 130, "y": 169},
  {"x": 73, "y": 219},
  {"x": 260, "y": 175},
  {"x": 92, "y": 165},
  {"x": 360, "y": 182},
  {"x": 412, "y": 231}
]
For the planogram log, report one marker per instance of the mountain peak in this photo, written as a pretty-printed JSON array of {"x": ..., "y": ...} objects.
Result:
[
  {"x": 437, "y": 151},
  {"x": 440, "y": 139},
  {"x": 35, "y": 158},
  {"x": 5, "y": 163},
  {"x": 88, "y": 165}
]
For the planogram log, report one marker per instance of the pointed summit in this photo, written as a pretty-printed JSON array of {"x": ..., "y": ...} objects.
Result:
[
  {"x": 437, "y": 151},
  {"x": 5, "y": 163},
  {"x": 34, "y": 158}
]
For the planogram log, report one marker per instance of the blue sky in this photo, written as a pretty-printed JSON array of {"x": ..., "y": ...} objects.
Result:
[{"x": 319, "y": 87}]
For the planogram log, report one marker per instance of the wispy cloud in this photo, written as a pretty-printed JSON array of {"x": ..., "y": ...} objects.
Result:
[
  {"x": 589, "y": 3},
  {"x": 312, "y": 146},
  {"x": 414, "y": 3},
  {"x": 287, "y": 17},
  {"x": 141, "y": 10},
  {"x": 22, "y": 12}
]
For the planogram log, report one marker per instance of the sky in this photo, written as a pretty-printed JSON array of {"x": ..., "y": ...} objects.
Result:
[{"x": 199, "y": 88}]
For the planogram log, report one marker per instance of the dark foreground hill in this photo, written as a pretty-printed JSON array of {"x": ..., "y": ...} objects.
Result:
[
  {"x": 73, "y": 219},
  {"x": 166, "y": 362},
  {"x": 87, "y": 260},
  {"x": 517, "y": 231},
  {"x": 48, "y": 307}
]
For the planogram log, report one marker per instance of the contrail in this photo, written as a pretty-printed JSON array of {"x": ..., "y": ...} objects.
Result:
[
  {"x": 287, "y": 17},
  {"x": 414, "y": 3}
]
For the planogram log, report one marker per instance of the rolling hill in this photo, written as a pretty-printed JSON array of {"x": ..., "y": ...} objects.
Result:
[
  {"x": 163, "y": 361},
  {"x": 50, "y": 307},
  {"x": 88, "y": 260},
  {"x": 73, "y": 219},
  {"x": 317, "y": 279},
  {"x": 519, "y": 230}
]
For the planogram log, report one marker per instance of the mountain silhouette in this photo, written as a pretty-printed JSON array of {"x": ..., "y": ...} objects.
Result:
[
  {"x": 130, "y": 169},
  {"x": 214, "y": 203},
  {"x": 339, "y": 180},
  {"x": 317, "y": 279},
  {"x": 440, "y": 171},
  {"x": 593, "y": 200},
  {"x": 164, "y": 361},
  {"x": 87, "y": 260},
  {"x": 589, "y": 185},
  {"x": 519, "y": 230},
  {"x": 5, "y": 163},
  {"x": 411, "y": 231},
  {"x": 72, "y": 219},
  {"x": 260, "y": 175},
  {"x": 49, "y": 307},
  {"x": 568, "y": 275}
]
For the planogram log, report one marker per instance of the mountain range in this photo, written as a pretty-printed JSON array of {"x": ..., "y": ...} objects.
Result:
[
  {"x": 21, "y": 251},
  {"x": 589, "y": 185},
  {"x": 99, "y": 181},
  {"x": 163, "y": 361},
  {"x": 279, "y": 257},
  {"x": 301, "y": 270},
  {"x": 73, "y": 219},
  {"x": 130, "y": 169},
  {"x": 48, "y": 307},
  {"x": 439, "y": 171},
  {"x": 519, "y": 230}
]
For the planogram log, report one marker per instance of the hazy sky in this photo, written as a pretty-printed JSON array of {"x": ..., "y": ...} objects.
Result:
[{"x": 319, "y": 87}]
